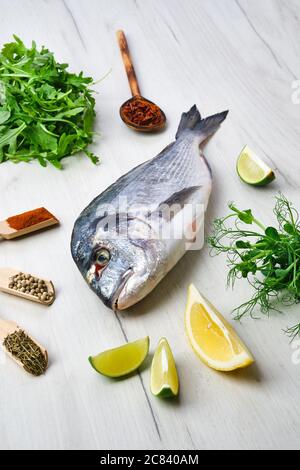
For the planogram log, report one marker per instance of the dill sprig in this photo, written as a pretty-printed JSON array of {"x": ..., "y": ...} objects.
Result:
[{"x": 268, "y": 257}]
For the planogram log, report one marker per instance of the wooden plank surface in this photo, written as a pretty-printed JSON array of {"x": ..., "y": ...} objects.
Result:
[{"x": 220, "y": 54}]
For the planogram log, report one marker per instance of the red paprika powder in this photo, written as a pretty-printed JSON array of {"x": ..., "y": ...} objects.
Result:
[{"x": 27, "y": 219}]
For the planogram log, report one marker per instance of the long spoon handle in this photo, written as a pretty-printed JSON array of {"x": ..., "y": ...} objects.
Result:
[{"x": 133, "y": 83}]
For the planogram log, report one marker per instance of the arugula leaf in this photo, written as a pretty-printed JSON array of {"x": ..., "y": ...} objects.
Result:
[
  {"x": 4, "y": 115},
  {"x": 46, "y": 112},
  {"x": 9, "y": 137}
]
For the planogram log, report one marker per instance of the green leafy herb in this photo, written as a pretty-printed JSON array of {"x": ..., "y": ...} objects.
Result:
[
  {"x": 46, "y": 112},
  {"x": 268, "y": 257}
]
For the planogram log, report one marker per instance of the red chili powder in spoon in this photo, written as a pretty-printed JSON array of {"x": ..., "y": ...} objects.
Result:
[{"x": 27, "y": 219}]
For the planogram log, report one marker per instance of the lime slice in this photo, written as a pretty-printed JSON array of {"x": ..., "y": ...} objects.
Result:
[
  {"x": 252, "y": 170},
  {"x": 164, "y": 378},
  {"x": 123, "y": 360},
  {"x": 212, "y": 338}
]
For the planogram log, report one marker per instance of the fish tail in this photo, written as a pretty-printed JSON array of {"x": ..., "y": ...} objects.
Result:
[
  {"x": 189, "y": 120},
  {"x": 192, "y": 121}
]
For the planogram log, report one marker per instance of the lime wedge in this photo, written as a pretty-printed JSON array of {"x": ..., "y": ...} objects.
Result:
[
  {"x": 252, "y": 170},
  {"x": 164, "y": 378},
  {"x": 121, "y": 361}
]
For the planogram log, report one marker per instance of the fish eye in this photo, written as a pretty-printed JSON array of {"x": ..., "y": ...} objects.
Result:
[{"x": 103, "y": 257}]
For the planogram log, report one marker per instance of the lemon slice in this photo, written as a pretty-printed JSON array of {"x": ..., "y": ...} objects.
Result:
[
  {"x": 123, "y": 360},
  {"x": 252, "y": 170},
  {"x": 211, "y": 336},
  {"x": 164, "y": 378}
]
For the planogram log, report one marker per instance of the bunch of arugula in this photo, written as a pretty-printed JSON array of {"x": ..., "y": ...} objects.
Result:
[
  {"x": 268, "y": 257},
  {"x": 46, "y": 113}
]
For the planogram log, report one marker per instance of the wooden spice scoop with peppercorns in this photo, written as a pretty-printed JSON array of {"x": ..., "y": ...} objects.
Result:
[
  {"x": 26, "y": 223},
  {"x": 138, "y": 113},
  {"x": 27, "y": 286}
]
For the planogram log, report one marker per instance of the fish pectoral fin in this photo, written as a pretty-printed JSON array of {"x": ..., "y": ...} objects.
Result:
[{"x": 171, "y": 206}]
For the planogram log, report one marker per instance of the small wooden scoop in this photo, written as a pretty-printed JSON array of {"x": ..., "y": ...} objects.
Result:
[
  {"x": 154, "y": 118},
  {"x": 9, "y": 327},
  {"x": 7, "y": 276},
  {"x": 25, "y": 223}
]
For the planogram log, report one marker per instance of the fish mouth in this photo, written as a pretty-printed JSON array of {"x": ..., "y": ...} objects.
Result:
[{"x": 115, "y": 299}]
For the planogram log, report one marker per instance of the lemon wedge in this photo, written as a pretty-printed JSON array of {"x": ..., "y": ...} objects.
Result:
[
  {"x": 164, "y": 377},
  {"x": 212, "y": 337},
  {"x": 121, "y": 361},
  {"x": 252, "y": 170}
]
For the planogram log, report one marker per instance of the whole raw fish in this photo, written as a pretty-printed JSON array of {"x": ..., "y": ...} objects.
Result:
[{"x": 123, "y": 242}]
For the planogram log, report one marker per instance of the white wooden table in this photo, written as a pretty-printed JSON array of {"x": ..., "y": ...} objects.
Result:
[{"x": 241, "y": 55}]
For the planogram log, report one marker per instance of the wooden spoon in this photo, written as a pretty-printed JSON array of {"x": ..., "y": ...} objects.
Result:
[
  {"x": 6, "y": 275},
  {"x": 9, "y": 327},
  {"x": 158, "y": 120},
  {"x": 8, "y": 232}
]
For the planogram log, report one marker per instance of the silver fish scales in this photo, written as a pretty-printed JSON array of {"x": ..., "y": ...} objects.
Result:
[{"x": 128, "y": 238}]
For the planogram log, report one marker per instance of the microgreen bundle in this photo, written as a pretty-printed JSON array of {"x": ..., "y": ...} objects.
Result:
[{"x": 268, "y": 257}]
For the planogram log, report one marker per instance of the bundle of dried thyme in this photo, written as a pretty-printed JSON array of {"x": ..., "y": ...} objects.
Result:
[{"x": 23, "y": 348}]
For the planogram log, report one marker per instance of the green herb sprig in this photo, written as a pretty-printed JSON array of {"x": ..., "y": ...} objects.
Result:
[
  {"x": 268, "y": 257},
  {"x": 46, "y": 112},
  {"x": 23, "y": 348}
]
